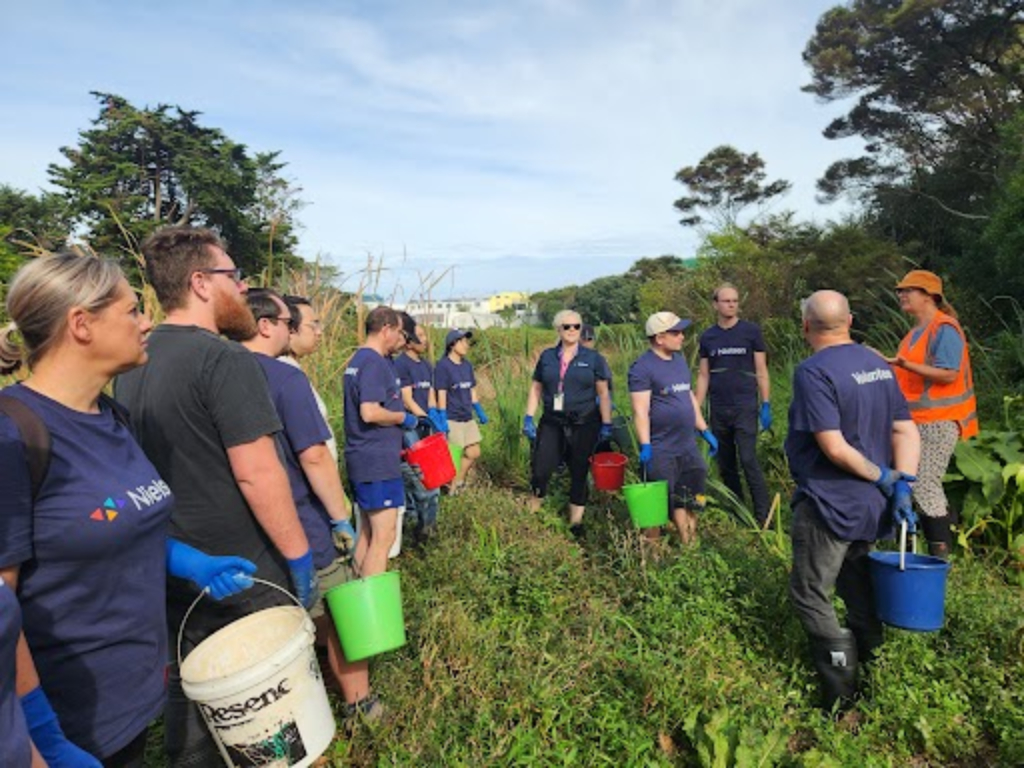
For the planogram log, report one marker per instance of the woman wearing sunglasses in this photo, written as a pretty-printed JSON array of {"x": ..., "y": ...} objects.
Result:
[{"x": 572, "y": 383}]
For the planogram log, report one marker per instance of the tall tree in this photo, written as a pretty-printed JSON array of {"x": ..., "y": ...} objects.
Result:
[
  {"x": 722, "y": 184},
  {"x": 137, "y": 169}
]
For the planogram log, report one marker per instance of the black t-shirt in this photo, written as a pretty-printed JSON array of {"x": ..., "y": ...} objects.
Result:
[
  {"x": 196, "y": 397},
  {"x": 730, "y": 356}
]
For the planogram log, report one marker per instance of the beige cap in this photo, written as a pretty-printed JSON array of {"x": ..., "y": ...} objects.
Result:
[{"x": 662, "y": 322}]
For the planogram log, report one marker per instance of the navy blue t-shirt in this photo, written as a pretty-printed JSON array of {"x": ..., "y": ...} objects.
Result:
[
  {"x": 372, "y": 451},
  {"x": 304, "y": 427},
  {"x": 730, "y": 356},
  {"x": 419, "y": 375},
  {"x": 458, "y": 380},
  {"x": 15, "y": 744},
  {"x": 850, "y": 389},
  {"x": 580, "y": 384},
  {"x": 673, "y": 420},
  {"x": 92, "y": 551}
]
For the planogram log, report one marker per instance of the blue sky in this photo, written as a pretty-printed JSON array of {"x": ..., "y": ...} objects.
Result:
[{"x": 519, "y": 145}]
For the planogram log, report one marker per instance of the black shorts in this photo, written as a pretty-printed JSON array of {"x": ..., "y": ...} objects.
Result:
[{"x": 686, "y": 476}]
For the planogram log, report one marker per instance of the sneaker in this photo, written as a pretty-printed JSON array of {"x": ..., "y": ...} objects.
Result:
[{"x": 368, "y": 709}]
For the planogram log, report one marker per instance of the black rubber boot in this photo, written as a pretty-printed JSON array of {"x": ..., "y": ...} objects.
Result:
[
  {"x": 835, "y": 658},
  {"x": 938, "y": 534},
  {"x": 868, "y": 641}
]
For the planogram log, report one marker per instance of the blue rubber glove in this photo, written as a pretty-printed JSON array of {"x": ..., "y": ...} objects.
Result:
[
  {"x": 886, "y": 482},
  {"x": 529, "y": 428},
  {"x": 442, "y": 420},
  {"x": 712, "y": 441},
  {"x": 605, "y": 433},
  {"x": 435, "y": 418},
  {"x": 903, "y": 506},
  {"x": 48, "y": 737},
  {"x": 307, "y": 586},
  {"x": 645, "y": 455},
  {"x": 765, "y": 415},
  {"x": 219, "y": 576},
  {"x": 410, "y": 421},
  {"x": 345, "y": 536},
  {"x": 480, "y": 415}
]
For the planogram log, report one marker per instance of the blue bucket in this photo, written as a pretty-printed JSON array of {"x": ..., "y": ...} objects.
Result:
[{"x": 913, "y": 598}]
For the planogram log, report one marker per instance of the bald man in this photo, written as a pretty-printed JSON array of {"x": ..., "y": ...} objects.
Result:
[{"x": 852, "y": 449}]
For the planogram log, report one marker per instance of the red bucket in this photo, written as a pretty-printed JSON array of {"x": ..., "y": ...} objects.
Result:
[
  {"x": 432, "y": 456},
  {"x": 609, "y": 470}
]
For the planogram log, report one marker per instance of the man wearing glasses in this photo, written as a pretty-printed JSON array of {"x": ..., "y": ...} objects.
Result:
[
  {"x": 666, "y": 416},
  {"x": 202, "y": 412}
]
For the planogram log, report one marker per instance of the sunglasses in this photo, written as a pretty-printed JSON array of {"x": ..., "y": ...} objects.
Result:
[{"x": 571, "y": 326}]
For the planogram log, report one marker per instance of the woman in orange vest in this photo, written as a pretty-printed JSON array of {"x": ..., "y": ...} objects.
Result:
[{"x": 933, "y": 368}]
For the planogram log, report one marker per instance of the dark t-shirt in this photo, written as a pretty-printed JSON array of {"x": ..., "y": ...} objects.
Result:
[
  {"x": 15, "y": 745},
  {"x": 673, "y": 420},
  {"x": 850, "y": 389},
  {"x": 372, "y": 451},
  {"x": 196, "y": 397},
  {"x": 579, "y": 387},
  {"x": 92, "y": 550},
  {"x": 419, "y": 375},
  {"x": 458, "y": 380},
  {"x": 730, "y": 356},
  {"x": 304, "y": 427}
]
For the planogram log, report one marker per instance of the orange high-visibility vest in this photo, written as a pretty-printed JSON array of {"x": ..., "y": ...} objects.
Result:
[{"x": 929, "y": 400}]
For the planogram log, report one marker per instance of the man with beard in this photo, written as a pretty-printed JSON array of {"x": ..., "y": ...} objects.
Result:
[{"x": 202, "y": 411}]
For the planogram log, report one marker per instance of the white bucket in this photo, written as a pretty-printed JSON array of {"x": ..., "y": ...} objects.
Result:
[
  {"x": 258, "y": 685},
  {"x": 396, "y": 548}
]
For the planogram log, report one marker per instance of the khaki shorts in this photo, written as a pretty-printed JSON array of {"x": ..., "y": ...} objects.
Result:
[
  {"x": 334, "y": 575},
  {"x": 464, "y": 433}
]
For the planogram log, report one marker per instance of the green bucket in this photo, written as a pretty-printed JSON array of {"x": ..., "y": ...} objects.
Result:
[
  {"x": 456, "y": 455},
  {"x": 368, "y": 615},
  {"x": 647, "y": 503}
]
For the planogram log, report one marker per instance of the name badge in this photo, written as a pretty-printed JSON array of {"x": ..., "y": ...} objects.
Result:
[{"x": 559, "y": 402}]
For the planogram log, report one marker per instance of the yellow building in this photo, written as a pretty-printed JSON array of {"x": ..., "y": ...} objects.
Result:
[{"x": 500, "y": 301}]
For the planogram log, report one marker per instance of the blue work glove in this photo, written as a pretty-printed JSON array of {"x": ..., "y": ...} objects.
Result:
[
  {"x": 435, "y": 418},
  {"x": 480, "y": 415},
  {"x": 886, "y": 482},
  {"x": 442, "y": 420},
  {"x": 711, "y": 440},
  {"x": 529, "y": 428},
  {"x": 605, "y": 433},
  {"x": 48, "y": 737},
  {"x": 307, "y": 586},
  {"x": 645, "y": 455},
  {"x": 410, "y": 421},
  {"x": 344, "y": 536},
  {"x": 903, "y": 506},
  {"x": 765, "y": 415},
  {"x": 219, "y": 576}
]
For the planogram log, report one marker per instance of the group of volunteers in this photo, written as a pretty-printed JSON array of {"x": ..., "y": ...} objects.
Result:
[{"x": 212, "y": 475}]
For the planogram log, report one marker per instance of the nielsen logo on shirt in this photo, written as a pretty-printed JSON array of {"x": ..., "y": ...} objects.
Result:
[
  {"x": 462, "y": 385},
  {"x": 731, "y": 351},
  {"x": 870, "y": 377},
  {"x": 149, "y": 495},
  {"x": 353, "y": 371},
  {"x": 684, "y": 387}
]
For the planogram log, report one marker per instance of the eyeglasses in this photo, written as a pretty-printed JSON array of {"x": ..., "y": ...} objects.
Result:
[
  {"x": 234, "y": 272},
  {"x": 674, "y": 333},
  {"x": 571, "y": 326},
  {"x": 276, "y": 319},
  {"x": 907, "y": 290}
]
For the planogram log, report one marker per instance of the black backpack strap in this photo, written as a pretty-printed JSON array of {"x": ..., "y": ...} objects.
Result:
[{"x": 34, "y": 435}]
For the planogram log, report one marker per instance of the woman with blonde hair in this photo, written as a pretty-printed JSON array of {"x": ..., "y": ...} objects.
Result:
[
  {"x": 933, "y": 368},
  {"x": 83, "y": 532},
  {"x": 572, "y": 383}
]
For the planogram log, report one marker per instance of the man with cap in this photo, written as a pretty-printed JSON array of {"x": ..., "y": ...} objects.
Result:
[
  {"x": 457, "y": 401},
  {"x": 852, "y": 450},
  {"x": 666, "y": 415},
  {"x": 734, "y": 371}
]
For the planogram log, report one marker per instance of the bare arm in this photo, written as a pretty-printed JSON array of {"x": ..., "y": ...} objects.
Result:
[
  {"x": 929, "y": 372},
  {"x": 703, "y": 379},
  {"x": 322, "y": 473},
  {"x": 263, "y": 482},
  {"x": 533, "y": 398},
  {"x": 906, "y": 446},
  {"x": 473, "y": 398},
  {"x": 442, "y": 399},
  {"x": 764, "y": 382},
  {"x": 641, "y": 402},
  {"x": 845, "y": 456},
  {"x": 375, "y": 413},
  {"x": 604, "y": 402},
  {"x": 698, "y": 421},
  {"x": 410, "y": 402}
]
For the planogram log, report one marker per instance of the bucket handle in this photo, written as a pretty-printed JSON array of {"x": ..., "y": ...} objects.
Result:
[
  {"x": 903, "y": 545},
  {"x": 201, "y": 595}
]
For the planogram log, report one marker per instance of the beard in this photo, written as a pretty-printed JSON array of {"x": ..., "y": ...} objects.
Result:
[{"x": 233, "y": 317}]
